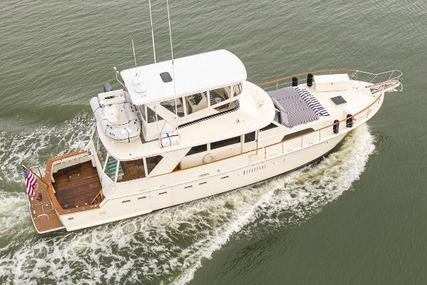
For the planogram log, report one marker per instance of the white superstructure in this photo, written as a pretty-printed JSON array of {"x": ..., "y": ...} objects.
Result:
[{"x": 185, "y": 130}]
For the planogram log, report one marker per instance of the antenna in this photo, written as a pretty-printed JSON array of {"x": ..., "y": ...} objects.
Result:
[
  {"x": 172, "y": 56},
  {"x": 152, "y": 32},
  {"x": 170, "y": 29},
  {"x": 133, "y": 50}
]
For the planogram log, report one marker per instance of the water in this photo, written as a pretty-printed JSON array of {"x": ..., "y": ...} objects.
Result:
[{"x": 357, "y": 217}]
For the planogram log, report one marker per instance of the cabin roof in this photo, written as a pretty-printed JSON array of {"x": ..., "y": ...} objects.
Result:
[{"x": 156, "y": 82}]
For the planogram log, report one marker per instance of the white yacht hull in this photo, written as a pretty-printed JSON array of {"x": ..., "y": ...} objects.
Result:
[{"x": 243, "y": 175}]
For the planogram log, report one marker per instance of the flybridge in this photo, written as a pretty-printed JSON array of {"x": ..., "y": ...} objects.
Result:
[{"x": 198, "y": 73}]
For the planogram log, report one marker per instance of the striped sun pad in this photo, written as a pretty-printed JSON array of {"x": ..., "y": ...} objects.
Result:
[{"x": 296, "y": 106}]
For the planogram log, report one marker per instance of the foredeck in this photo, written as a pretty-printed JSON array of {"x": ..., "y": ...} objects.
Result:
[{"x": 77, "y": 186}]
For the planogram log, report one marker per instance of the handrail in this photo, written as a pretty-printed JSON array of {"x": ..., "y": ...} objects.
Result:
[
  {"x": 321, "y": 71},
  {"x": 377, "y": 79}
]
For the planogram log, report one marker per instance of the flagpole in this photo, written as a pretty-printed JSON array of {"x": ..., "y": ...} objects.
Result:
[{"x": 37, "y": 176}]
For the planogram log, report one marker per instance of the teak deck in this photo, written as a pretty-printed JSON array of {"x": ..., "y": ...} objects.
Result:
[
  {"x": 77, "y": 186},
  {"x": 42, "y": 211}
]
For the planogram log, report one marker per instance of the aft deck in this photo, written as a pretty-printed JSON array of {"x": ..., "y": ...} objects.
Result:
[
  {"x": 77, "y": 186},
  {"x": 42, "y": 210}
]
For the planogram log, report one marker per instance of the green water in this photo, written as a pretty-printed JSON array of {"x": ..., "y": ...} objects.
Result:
[{"x": 357, "y": 217}]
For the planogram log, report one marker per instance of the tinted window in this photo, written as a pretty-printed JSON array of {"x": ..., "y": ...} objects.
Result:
[
  {"x": 111, "y": 167},
  {"x": 198, "y": 149},
  {"x": 100, "y": 150},
  {"x": 219, "y": 95},
  {"x": 225, "y": 142},
  {"x": 250, "y": 137},
  {"x": 237, "y": 89},
  {"x": 152, "y": 162},
  {"x": 297, "y": 134},
  {"x": 130, "y": 170},
  {"x": 271, "y": 126},
  {"x": 196, "y": 102}
]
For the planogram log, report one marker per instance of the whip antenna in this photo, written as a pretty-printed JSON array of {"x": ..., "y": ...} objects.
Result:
[
  {"x": 170, "y": 30},
  {"x": 133, "y": 50},
  {"x": 172, "y": 56},
  {"x": 152, "y": 32}
]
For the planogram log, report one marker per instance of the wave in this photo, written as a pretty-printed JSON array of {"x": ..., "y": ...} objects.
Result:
[{"x": 169, "y": 245}]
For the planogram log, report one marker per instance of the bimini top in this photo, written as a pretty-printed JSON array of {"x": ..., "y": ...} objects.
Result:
[{"x": 155, "y": 82}]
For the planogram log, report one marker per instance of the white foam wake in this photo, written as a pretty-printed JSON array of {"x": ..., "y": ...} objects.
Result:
[
  {"x": 170, "y": 245},
  {"x": 39, "y": 144}
]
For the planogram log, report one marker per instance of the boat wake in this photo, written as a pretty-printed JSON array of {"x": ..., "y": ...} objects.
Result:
[
  {"x": 37, "y": 146},
  {"x": 169, "y": 245}
]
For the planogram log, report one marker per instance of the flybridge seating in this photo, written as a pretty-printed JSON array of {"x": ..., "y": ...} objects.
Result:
[{"x": 170, "y": 94}]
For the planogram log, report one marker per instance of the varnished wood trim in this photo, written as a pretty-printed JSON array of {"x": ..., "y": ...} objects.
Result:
[{"x": 275, "y": 81}]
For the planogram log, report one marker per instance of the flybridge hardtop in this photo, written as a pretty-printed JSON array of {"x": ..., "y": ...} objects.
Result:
[
  {"x": 194, "y": 128},
  {"x": 162, "y": 81}
]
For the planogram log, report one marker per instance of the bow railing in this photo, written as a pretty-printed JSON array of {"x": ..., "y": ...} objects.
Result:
[{"x": 383, "y": 81}]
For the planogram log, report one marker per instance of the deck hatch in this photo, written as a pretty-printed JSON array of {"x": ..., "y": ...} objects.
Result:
[
  {"x": 338, "y": 100},
  {"x": 166, "y": 77}
]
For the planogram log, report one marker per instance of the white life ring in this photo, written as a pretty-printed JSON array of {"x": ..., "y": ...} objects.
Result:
[{"x": 208, "y": 158}]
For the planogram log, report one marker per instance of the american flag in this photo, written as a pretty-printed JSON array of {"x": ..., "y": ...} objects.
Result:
[{"x": 30, "y": 182}]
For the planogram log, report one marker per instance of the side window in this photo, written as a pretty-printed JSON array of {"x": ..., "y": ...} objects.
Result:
[
  {"x": 250, "y": 137},
  {"x": 219, "y": 95},
  {"x": 170, "y": 105},
  {"x": 197, "y": 149},
  {"x": 152, "y": 162},
  {"x": 226, "y": 142},
  {"x": 143, "y": 112},
  {"x": 174, "y": 106},
  {"x": 151, "y": 116},
  {"x": 100, "y": 150},
  {"x": 196, "y": 102},
  {"x": 180, "y": 107},
  {"x": 271, "y": 126},
  {"x": 237, "y": 89},
  {"x": 111, "y": 167},
  {"x": 131, "y": 170}
]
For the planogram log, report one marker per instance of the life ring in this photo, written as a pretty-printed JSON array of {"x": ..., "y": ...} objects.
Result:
[{"x": 208, "y": 158}]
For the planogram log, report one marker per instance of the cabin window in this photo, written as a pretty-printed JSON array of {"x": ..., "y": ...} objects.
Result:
[
  {"x": 237, "y": 89},
  {"x": 111, "y": 167},
  {"x": 131, "y": 170},
  {"x": 196, "y": 102},
  {"x": 250, "y": 137},
  {"x": 152, "y": 117},
  {"x": 180, "y": 107},
  {"x": 226, "y": 142},
  {"x": 198, "y": 149},
  {"x": 219, "y": 95},
  {"x": 175, "y": 106},
  {"x": 152, "y": 162},
  {"x": 271, "y": 126},
  {"x": 100, "y": 149},
  {"x": 143, "y": 112},
  {"x": 297, "y": 134},
  {"x": 277, "y": 118}
]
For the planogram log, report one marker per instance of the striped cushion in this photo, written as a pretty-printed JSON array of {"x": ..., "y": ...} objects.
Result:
[{"x": 312, "y": 102}]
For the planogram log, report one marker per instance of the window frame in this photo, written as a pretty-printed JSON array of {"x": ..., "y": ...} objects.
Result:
[
  {"x": 190, "y": 153},
  {"x": 225, "y": 143}
]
